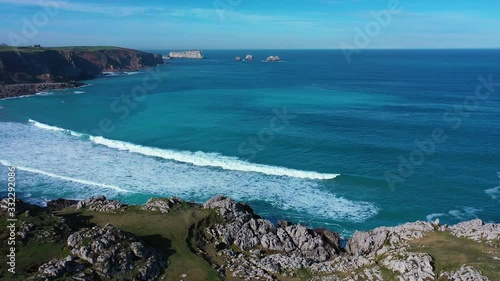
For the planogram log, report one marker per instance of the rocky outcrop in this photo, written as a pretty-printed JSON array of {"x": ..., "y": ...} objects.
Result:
[
  {"x": 16, "y": 90},
  {"x": 295, "y": 246},
  {"x": 273, "y": 58},
  {"x": 475, "y": 229},
  {"x": 101, "y": 204},
  {"x": 162, "y": 205},
  {"x": 107, "y": 252},
  {"x": 249, "y": 57},
  {"x": 382, "y": 239},
  {"x": 464, "y": 273},
  {"x": 193, "y": 54},
  {"x": 238, "y": 58}
]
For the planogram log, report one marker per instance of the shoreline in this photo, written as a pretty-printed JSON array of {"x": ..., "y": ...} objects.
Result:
[{"x": 30, "y": 89}]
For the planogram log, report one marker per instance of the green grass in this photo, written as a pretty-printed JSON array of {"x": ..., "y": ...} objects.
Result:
[
  {"x": 451, "y": 252},
  {"x": 166, "y": 232},
  {"x": 68, "y": 48},
  {"x": 33, "y": 252}
]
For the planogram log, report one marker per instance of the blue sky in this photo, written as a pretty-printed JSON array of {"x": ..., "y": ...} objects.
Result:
[{"x": 251, "y": 24}]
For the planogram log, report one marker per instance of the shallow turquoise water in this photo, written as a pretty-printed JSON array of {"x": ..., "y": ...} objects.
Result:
[{"x": 275, "y": 135}]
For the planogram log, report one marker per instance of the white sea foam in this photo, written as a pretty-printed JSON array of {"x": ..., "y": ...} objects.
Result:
[
  {"x": 44, "y": 93},
  {"x": 467, "y": 213},
  {"x": 132, "y": 72},
  {"x": 433, "y": 216},
  {"x": 110, "y": 73},
  {"x": 201, "y": 159},
  {"x": 53, "y": 128},
  {"x": 211, "y": 160},
  {"x": 62, "y": 154},
  {"x": 79, "y": 92},
  {"x": 494, "y": 192},
  {"x": 64, "y": 178}
]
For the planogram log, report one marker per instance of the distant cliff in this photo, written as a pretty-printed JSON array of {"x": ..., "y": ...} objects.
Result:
[
  {"x": 50, "y": 65},
  {"x": 25, "y": 70},
  {"x": 194, "y": 54}
]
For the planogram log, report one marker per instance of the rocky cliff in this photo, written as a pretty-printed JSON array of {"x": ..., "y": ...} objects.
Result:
[
  {"x": 69, "y": 64},
  {"x": 62, "y": 65},
  {"x": 169, "y": 239}
]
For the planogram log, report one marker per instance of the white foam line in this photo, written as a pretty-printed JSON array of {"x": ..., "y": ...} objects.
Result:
[
  {"x": 52, "y": 128},
  {"x": 198, "y": 158},
  {"x": 211, "y": 160},
  {"x": 86, "y": 182}
]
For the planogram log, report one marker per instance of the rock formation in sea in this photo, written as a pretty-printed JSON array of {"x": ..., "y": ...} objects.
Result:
[
  {"x": 249, "y": 57},
  {"x": 193, "y": 54},
  {"x": 273, "y": 58},
  {"x": 56, "y": 68},
  {"x": 237, "y": 244},
  {"x": 238, "y": 58}
]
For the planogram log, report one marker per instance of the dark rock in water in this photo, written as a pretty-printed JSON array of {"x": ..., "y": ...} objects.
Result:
[
  {"x": 238, "y": 58},
  {"x": 16, "y": 90}
]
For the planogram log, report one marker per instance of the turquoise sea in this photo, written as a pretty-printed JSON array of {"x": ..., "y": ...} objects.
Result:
[{"x": 394, "y": 136}]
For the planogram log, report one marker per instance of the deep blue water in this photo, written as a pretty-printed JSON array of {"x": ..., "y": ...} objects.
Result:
[{"x": 275, "y": 135}]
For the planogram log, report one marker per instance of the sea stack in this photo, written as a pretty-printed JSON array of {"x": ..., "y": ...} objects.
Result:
[
  {"x": 249, "y": 57},
  {"x": 238, "y": 58},
  {"x": 273, "y": 58},
  {"x": 193, "y": 54}
]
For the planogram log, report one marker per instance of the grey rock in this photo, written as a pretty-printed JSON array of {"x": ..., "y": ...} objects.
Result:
[
  {"x": 162, "y": 205},
  {"x": 101, "y": 204},
  {"x": 193, "y": 54},
  {"x": 464, "y": 273},
  {"x": 413, "y": 267},
  {"x": 273, "y": 58},
  {"x": 476, "y": 230},
  {"x": 107, "y": 252}
]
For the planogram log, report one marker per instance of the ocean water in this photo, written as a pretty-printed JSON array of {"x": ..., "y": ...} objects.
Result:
[{"x": 394, "y": 136}]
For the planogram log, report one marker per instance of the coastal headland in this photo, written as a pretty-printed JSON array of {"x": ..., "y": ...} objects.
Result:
[
  {"x": 170, "y": 239},
  {"x": 28, "y": 70}
]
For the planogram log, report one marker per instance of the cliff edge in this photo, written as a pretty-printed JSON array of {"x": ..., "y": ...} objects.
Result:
[{"x": 34, "y": 65}]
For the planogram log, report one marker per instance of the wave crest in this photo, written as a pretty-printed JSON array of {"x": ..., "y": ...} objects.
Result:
[{"x": 199, "y": 158}]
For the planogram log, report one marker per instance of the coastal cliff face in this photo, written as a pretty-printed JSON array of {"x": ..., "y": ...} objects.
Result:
[
  {"x": 53, "y": 65},
  {"x": 169, "y": 239}
]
